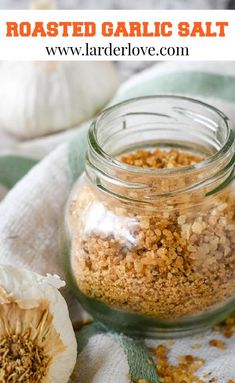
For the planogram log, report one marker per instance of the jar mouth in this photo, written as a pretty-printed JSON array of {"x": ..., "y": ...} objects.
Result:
[{"x": 104, "y": 156}]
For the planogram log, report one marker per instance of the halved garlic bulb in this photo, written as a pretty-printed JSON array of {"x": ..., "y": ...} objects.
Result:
[{"x": 37, "y": 342}]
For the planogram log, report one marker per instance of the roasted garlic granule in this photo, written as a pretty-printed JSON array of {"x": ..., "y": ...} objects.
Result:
[
  {"x": 160, "y": 159},
  {"x": 217, "y": 343},
  {"x": 184, "y": 371},
  {"x": 227, "y": 327},
  {"x": 168, "y": 261}
]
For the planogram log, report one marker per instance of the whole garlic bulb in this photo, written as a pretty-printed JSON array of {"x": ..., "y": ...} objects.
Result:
[
  {"x": 37, "y": 342},
  {"x": 39, "y": 98}
]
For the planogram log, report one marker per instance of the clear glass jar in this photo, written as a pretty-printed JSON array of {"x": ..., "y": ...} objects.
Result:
[{"x": 152, "y": 251}]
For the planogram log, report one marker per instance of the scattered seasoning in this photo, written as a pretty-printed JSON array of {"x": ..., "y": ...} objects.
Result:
[
  {"x": 79, "y": 324},
  {"x": 165, "y": 263},
  {"x": 137, "y": 380},
  {"x": 185, "y": 371},
  {"x": 196, "y": 346},
  {"x": 188, "y": 365},
  {"x": 217, "y": 343},
  {"x": 141, "y": 381},
  {"x": 227, "y": 327}
]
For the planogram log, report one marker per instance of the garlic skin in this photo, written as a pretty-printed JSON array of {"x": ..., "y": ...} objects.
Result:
[
  {"x": 40, "y": 98},
  {"x": 32, "y": 307}
]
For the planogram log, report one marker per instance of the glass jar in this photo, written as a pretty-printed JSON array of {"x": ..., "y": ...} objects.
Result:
[{"x": 152, "y": 251}]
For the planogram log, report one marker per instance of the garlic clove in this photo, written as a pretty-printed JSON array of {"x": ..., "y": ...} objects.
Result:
[{"x": 37, "y": 342}]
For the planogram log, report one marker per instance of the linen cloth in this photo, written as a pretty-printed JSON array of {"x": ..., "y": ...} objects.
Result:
[{"x": 31, "y": 215}]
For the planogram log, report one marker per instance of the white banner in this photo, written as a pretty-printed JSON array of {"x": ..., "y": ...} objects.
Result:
[{"x": 117, "y": 35}]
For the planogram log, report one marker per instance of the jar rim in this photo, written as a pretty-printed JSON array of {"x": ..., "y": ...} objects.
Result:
[{"x": 104, "y": 156}]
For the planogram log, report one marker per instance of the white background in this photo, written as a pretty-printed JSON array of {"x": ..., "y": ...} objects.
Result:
[{"x": 200, "y": 48}]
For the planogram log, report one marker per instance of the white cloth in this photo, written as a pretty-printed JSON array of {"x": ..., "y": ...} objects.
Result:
[{"x": 32, "y": 213}]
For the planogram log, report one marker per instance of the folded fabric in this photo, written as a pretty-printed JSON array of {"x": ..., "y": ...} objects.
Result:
[{"x": 31, "y": 217}]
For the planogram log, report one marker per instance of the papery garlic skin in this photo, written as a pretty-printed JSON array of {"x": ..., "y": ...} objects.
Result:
[
  {"x": 39, "y": 98},
  {"x": 28, "y": 291}
]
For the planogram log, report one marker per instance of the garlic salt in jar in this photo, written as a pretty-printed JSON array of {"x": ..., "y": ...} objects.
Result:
[{"x": 151, "y": 222}]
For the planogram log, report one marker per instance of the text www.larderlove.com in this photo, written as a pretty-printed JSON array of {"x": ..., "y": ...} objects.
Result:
[
  {"x": 117, "y": 35},
  {"x": 111, "y": 50}
]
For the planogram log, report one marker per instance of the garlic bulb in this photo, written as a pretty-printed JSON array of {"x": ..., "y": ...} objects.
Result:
[
  {"x": 37, "y": 342},
  {"x": 43, "y": 4},
  {"x": 38, "y": 98}
]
